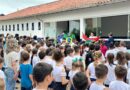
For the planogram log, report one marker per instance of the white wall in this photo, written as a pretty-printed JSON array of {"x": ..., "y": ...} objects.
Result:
[
  {"x": 50, "y": 29},
  {"x": 30, "y": 32}
]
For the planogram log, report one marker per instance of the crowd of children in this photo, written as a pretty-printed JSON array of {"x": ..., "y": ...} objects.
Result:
[{"x": 42, "y": 64}]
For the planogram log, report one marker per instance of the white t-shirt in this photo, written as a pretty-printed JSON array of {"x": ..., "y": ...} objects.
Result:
[
  {"x": 109, "y": 51},
  {"x": 111, "y": 74},
  {"x": 58, "y": 73},
  {"x": 50, "y": 61},
  {"x": 124, "y": 49},
  {"x": 115, "y": 51},
  {"x": 128, "y": 76},
  {"x": 119, "y": 85},
  {"x": 116, "y": 62},
  {"x": 91, "y": 69},
  {"x": 68, "y": 62},
  {"x": 35, "y": 60},
  {"x": 95, "y": 86},
  {"x": 72, "y": 73},
  {"x": 128, "y": 64}
]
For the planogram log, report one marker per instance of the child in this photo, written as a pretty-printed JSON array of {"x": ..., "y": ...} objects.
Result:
[
  {"x": 2, "y": 76},
  {"x": 26, "y": 72},
  {"x": 78, "y": 54},
  {"x": 41, "y": 55},
  {"x": 69, "y": 58},
  {"x": 77, "y": 66},
  {"x": 127, "y": 55},
  {"x": 80, "y": 81},
  {"x": 111, "y": 69},
  {"x": 59, "y": 73},
  {"x": 101, "y": 74},
  {"x": 91, "y": 68},
  {"x": 34, "y": 57},
  {"x": 89, "y": 55},
  {"x": 48, "y": 58},
  {"x": 42, "y": 75},
  {"x": 119, "y": 84},
  {"x": 121, "y": 59}
]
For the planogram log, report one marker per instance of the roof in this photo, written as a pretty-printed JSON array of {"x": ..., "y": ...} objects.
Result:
[{"x": 57, "y": 6}]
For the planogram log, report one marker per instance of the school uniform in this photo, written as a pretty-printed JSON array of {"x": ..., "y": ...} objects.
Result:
[
  {"x": 35, "y": 60},
  {"x": 68, "y": 62},
  {"x": 91, "y": 68},
  {"x": 128, "y": 76},
  {"x": 95, "y": 86},
  {"x": 119, "y": 85},
  {"x": 71, "y": 75},
  {"x": 58, "y": 73},
  {"x": 111, "y": 74}
]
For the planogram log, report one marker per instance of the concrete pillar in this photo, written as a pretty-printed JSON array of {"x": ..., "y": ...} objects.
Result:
[{"x": 82, "y": 27}]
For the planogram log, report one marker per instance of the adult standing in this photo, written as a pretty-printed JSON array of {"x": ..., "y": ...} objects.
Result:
[
  {"x": 110, "y": 39},
  {"x": 12, "y": 59}
]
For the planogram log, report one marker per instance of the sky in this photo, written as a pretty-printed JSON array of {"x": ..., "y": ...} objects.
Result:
[{"x": 8, "y": 6}]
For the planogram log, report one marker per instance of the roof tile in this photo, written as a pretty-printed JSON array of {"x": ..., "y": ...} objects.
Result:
[{"x": 53, "y": 7}]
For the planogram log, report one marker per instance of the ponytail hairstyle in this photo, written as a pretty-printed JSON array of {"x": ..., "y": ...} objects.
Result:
[
  {"x": 77, "y": 63},
  {"x": 110, "y": 59},
  {"x": 57, "y": 55},
  {"x": 97, "y": 55},
  {"x": 34, "y": 52},
  {"x": 121, "y": 58}
]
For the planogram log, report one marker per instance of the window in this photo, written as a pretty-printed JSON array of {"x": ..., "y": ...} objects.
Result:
[
  {"x": 17, "y": 27},
  {"x": 27, "y": 26},
  {"x": 2, "y": 28},
  {"x": 39, "y": 25},
  {"x": 13, "y": 27},
  {"x": 23, "y": 27},
  {"x": 32, "y": 26},
  {"x": 6, "y": 28},
  {"x": 9, "y": 27}
]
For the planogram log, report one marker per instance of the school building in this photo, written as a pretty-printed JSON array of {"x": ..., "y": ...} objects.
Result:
[{"x": 83, "y": 16}]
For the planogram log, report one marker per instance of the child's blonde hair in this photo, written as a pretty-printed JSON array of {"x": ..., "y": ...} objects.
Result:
[
  {"x": 78, "y": 64},
  {"x": 96, "y": 56}
]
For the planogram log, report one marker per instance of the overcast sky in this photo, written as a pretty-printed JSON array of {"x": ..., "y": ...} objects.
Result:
[{"x": 8, "y": 6}]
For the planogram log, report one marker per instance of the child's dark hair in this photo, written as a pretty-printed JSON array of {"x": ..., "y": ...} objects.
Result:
[
  {"x": 49, "y": 51},
  {"x": 77, "y": 49},
  {"x": 24, "y": 56},
  {"x": 91, "y": 47},
  {"x": 69, "y": 50},
  {"x": 120, "y": 72},
  {"x": 34, "y": 51},
  {"x": 101, "y": 71},
  {"x": 57, "y": 55},
  {"x": 117, "y": 44},
  {"x": 121, "y": 58},
  {"x": 40, "y": 71},
  {"x": 127, "y": 55},
  {"x": 97, "y": 47},
  {"x": 80, "y": 81},
  {"x": 1, "y": 60},
  {"x": 110, "y": 58},
  {"x": 42, "y": 54}
]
